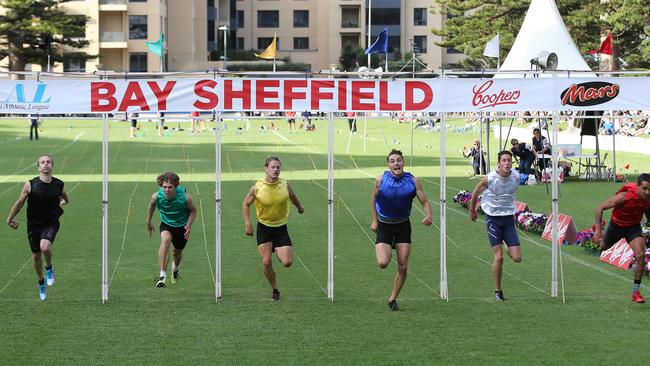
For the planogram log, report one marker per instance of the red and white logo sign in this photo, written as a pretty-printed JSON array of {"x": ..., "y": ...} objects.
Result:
[
  {"x": 620, "y": 255},
  {"x": 566, "y": 229},
  {"x": 484, "y": 98}
]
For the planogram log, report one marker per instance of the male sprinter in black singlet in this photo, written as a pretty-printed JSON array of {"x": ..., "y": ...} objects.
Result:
[{"x": 45, "y": 196}]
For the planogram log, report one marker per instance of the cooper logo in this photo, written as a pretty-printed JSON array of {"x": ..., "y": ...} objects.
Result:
[
  {"x": 591, "y": 93},
  {"x": 484, "y": 99}
]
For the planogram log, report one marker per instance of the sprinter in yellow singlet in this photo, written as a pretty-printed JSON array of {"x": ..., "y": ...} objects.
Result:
[{"x": 271, "y": 196}]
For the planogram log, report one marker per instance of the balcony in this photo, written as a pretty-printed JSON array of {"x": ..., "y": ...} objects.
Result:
[
  {"x": 112, "y": 40},
  {"x": 113, "y": 5}
]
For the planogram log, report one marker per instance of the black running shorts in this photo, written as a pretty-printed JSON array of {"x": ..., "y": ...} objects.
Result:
[
  {"x": 178, "y": 235},
  {"x": 278, "y": 236},
  {"x": 36, "y": 232},
  {"x": 392, "y": 234},
  {"x": 615, "y": 233}
]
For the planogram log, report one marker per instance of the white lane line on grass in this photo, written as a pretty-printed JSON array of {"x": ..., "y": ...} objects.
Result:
[
  {"x": 310, "y": 273},
  {"x": 372, "y": 242},
  {"x": 126, "y": 225},
  {"x": 11, "y": 279},
  {"x": 31, "y": 166}
]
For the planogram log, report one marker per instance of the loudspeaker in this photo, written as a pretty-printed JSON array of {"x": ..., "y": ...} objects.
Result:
[{"x": 545, "y": 60}]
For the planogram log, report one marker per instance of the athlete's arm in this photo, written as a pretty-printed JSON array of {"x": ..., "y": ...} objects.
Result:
[
  {"x": 150, "y": 210},
  {"x": 373, "y": 201},
  {"x": 246, "y": 211},
  {"x": 614, "y": 201},
  {"x": 480, "y": 187},
  {"x": 15, "y": 209},
  {"x": 419, "y": 192},
  {"x": 294, "y": 199},
  {"x": 192, "y": 215},
  {"x": 64, "y": 199}
]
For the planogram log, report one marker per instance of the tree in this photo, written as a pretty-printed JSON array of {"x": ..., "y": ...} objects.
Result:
[
  {"x": 30, "y": 30},
  {"x": 472, "y": 23}
]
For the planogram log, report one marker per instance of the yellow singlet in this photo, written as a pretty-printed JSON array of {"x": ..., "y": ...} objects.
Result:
[{"x": 272, "y": 202}]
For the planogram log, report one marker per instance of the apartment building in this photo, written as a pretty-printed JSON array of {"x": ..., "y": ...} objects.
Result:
[
  {"x": 315, "y": 32},
  {"x": 309, "y": 31}
]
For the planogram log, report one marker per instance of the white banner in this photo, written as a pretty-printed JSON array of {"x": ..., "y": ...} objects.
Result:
[{"x": 324, "y": 95}]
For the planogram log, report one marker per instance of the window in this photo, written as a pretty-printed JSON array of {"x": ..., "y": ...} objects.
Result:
[
  {"x": 210, "y": 3},
  {"x": 451, "y": 50},
  {"x": 351, "y": 41},
  {"x": 79, "y": 23},
  {"x": 239, "y": 43},
  {"x": 74, "y": 65},
  {"x": 301, "y": 18},
  {"x": 211, "y": 30},
  {"x": 137, "y": 27},
  {"x": 138, "y": 62},
  {"x": 420, "y": 44},
  {"x": 350, "y": 18},
  {"x": 240, "y": 19},
  {"x": 420, "y": 16},
  {"x": 268, "y": 18},
  {"x": 300, "y": 43},
  {"x": 385, "y": 16},
  {"x": 263, "y": 42},
  {"x": 137, "y": 1}
]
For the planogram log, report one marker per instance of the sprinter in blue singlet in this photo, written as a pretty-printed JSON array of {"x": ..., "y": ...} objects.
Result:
[{"x": 392, "y": 200}]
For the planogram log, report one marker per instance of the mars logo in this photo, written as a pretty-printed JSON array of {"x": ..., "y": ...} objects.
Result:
[
  {"x": 18, "y": 95},
  {"x": 591, "y": 93},
  {"x": 484, "y": 100}
]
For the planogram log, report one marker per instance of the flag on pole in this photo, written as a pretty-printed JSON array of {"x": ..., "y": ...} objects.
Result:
[
  {"x": 492, "y": 47},
  {"x": 605, "y": 46},
  {"x": 157, "y": 47},
  {"x": 270, "y": 52},
  {"x": 381, "y": 43}
]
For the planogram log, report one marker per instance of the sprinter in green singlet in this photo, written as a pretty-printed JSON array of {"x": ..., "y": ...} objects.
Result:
[{"x": 177, "y": 213}]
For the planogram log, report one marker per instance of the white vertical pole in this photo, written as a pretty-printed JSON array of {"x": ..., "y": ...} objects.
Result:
[
  {"x": 365, "y": 133},
  {"x": 217, "y": 225},
  {"x": 330, "y": 207},
  {"x": 555, "y": 210},
  {"x": 443, "y": 208},
  {"x": 104, "y": 208},
  {"x": 369, "y": 27},
  {"x": 613, "y": 146}
]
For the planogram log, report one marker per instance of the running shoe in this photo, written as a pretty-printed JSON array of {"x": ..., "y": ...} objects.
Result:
[
  {"x": 42, "y": 292},
  {"x": 499, "y": 296},
  {"x": 275, "y": 295},
  {"x": 175, "y": 277},
  {"x": 159, "y": 282},
  {"x": 637, "y": 297},
  {"x": 393, "y": 305},
  {"x": 49, "y": 276}
]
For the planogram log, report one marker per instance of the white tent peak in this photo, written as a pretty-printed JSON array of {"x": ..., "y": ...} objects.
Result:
[{"x": 543, "y": 30}]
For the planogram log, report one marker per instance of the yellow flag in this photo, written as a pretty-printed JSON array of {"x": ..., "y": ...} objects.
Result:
[{"x": 269, "y": 53}]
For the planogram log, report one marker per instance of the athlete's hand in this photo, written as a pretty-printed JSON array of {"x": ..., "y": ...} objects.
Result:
[
  {"x": 249, "y": 229},
  {"x": 598, "y": 237},
  {"x": 187, "y": 232},
  {"x": 149, "y": 228},
  {"x": 301, "y": 210},
  {"x": 472, "y": 214},
  {"x": 62, "y": 202},
  {"x": 373, "y": 226},
  {"x": 427, "y": 221},
  {"x": 13, "y": 224}
]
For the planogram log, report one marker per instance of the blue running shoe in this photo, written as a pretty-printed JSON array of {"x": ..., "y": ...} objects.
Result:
[
  {"x": 42, "y": 293},
  {"x": 49, "y": 276}
]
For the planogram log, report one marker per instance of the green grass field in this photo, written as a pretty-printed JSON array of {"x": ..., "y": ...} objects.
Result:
[{"x": 183, "y": 324}]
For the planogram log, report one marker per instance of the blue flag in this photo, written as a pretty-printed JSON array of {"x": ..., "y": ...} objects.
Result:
[{"x": 381, "y": 43}]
